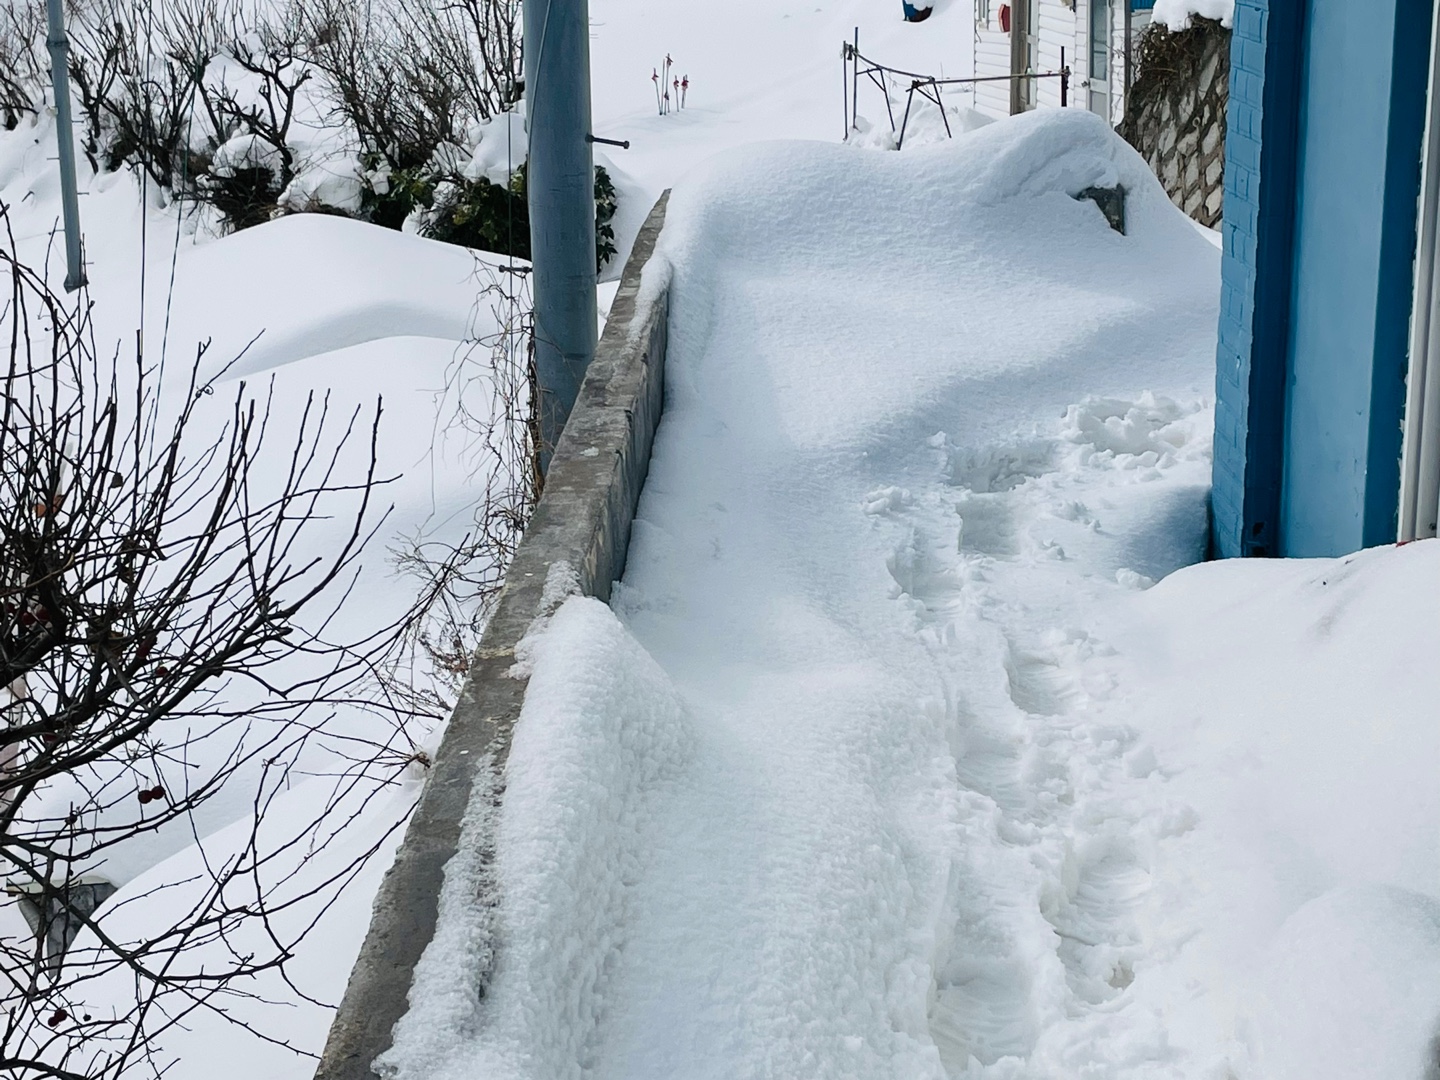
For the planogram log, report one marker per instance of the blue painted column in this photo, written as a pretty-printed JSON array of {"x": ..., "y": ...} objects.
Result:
[
  {"x": 1362, "y": 121},
  {"x": 1326, "y": 120},
  {"x": 560, "y": 179},
  {"x": 1260, "y": 148}
]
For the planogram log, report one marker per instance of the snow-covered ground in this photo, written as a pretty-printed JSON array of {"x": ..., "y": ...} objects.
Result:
[
  {"x": 362, "y": 313},
  {"x": 891, "y": 759}
]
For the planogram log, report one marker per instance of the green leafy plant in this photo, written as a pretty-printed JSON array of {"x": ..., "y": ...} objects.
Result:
[{"x": 480, "y": 214}]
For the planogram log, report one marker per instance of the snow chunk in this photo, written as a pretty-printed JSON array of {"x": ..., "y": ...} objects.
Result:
[
  {"x": 338, "y": 186},
  {"x": 245, "y": 152},
  {"x": 1176, "y": 14},
  {"x": 501, "y": 146},
  {"x": 1146, "y": 432}
]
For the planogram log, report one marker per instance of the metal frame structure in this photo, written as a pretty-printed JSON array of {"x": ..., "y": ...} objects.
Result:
[{"x": 855, "y": 64}]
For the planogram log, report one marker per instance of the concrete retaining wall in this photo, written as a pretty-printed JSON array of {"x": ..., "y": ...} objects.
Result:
[{"x": 583, "y": 520}]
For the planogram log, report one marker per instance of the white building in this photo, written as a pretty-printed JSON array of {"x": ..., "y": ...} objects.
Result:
[{"x": 1091, "y": 34}]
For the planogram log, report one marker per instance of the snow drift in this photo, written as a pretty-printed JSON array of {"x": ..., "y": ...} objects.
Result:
[{"x": 903, "y": 393}]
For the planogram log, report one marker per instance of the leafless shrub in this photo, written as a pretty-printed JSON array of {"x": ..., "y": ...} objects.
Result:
[
  {"x": 136, "y": 70},
  {"x": 160, "y": 90},
  {"x": 24, "y": 67},
  {"x": 165, "y": 639},
  {"x": 410, "y": 77},
  {"x": 459, "y": 583},
  {"x": 245, "y": 183}
]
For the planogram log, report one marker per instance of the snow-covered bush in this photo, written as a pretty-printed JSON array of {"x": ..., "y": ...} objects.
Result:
[
  {"x": 398, "y": 112},
  {"x": 203, "y": 102},
  {"x": 300, "y": 105},
  {"x": 410, "y": 79}
]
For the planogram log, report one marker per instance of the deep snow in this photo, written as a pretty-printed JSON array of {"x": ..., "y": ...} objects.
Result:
[
  {"x": 362, "y": 313},
  {"x": 809, "y": 803},
  {"x": 317, "y": 305},
  {"x": 892, "y": 760},
  {"x": 889, "y": 760}
]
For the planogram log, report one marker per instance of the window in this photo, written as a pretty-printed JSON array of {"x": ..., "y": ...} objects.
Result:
[{"x": 1100, "y": 40}]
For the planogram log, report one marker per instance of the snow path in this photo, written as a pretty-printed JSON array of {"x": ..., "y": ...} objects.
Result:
[
  {"x": 862, "y": 717},
  {"x": 846, "y": 845}
]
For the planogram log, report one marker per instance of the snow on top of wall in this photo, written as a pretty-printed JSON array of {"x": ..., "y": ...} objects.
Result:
[{"x": 1176, "y": 14}]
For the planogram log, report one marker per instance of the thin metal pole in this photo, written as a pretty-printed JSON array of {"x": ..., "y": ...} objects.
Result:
[
  {"x": 560, "y": 181},
  {"x": 59, "y": 47},
  {"x": 855, "y": 84},
  {"x": 1064, "y": 80},
  {"x": 941, "y": 103},
  {"x": 1019, "y": 54},
  {"x": 1125, "y": 100}
]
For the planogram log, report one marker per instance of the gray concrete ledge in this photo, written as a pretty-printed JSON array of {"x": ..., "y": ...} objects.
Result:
[{"x": 583, "y": 519}]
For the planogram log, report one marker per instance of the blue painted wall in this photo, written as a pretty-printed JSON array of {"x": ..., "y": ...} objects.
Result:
[
  {"x": 1361, "y": 124},
  {"x": 1323, "y": 166}
]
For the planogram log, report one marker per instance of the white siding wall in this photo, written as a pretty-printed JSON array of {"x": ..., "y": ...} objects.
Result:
[
  {"x": 1059, "y": 27},
  {"x": 992, "y": 57},
  {"x": 1057, "y": 32}
]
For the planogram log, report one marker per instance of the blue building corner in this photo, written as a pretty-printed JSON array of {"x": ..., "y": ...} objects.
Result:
[{"x": 1323, "y": 160}]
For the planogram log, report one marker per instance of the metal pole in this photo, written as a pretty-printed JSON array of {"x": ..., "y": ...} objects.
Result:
[
  {"x": 855, "y": 85},
  {"x": 560, "y": 180},
  {"x": 1019, "y": 54},
  {"x": 65, "y": 136},
  {"x": 1125, "y": 100}
]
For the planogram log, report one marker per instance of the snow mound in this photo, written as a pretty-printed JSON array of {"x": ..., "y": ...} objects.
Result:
[
  {"x": 1350, "y": 989},
  {"x": 996, "y": 209},
  {"x": 602, "y": 728},
  {"x": 308, "y": 284},
  {"x": 1294, "y": 924}
]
